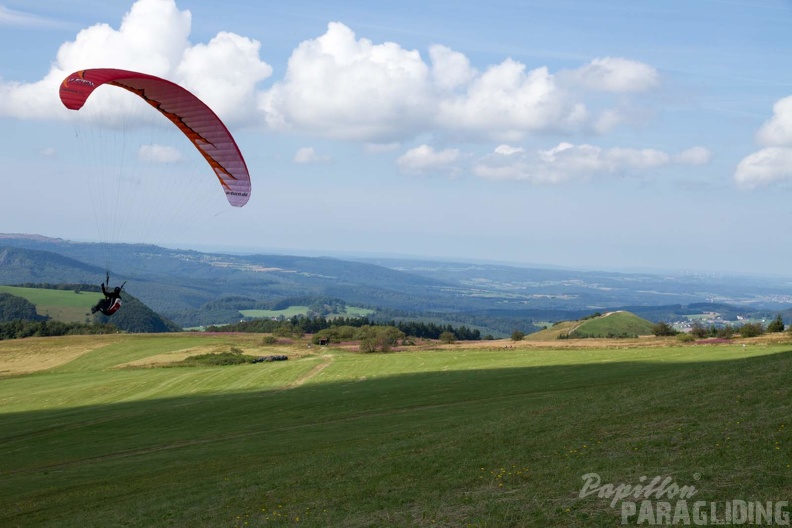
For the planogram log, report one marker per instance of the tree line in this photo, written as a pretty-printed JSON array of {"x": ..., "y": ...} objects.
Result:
[
  {"x": 20, "y": 328},
  {"x": 300, "y": 325}
]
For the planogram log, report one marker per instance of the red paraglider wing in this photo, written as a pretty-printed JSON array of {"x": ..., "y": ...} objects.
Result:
[{"x": 196, "y": 120}]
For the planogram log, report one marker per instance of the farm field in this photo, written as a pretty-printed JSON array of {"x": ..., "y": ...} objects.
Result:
[
  {"x": 61, "y": 305},
  {"x": 106, "y": 431},
  {"x": 291, "y": 311}
]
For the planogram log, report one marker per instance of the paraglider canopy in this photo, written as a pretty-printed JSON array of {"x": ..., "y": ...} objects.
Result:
[{"x": 191, "y": 115}]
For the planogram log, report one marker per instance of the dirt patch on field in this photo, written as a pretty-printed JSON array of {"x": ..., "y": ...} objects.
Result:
[{"x": 34, "y": 354}]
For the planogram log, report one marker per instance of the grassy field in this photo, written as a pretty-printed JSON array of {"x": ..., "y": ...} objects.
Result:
[
  {"x": 291, "y": 311},
  {"x": 61, "y": 305},
  {"x": 616, "y": 323},
  {"x": 105, "y": 431}
]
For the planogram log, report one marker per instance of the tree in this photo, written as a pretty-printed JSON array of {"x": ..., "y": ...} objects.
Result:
[
  {"x": 777, "y": 325},
  {"x": 698, "y": 330},
  {"x": 447, "y": 337},
  {"x": 751, "y": 330},
  {"x": 16, "y": 308},
  {"x": 517, "y": 335},
  {"x": 663, "y": 329}
]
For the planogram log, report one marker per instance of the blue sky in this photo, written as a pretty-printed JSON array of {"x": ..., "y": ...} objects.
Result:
[{"x": 596, "y": 135}]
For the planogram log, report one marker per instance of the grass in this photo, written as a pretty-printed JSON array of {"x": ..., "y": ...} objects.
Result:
[
  {"x": 60, "y": 305},
  {"x": 459, "y": 436},
  {"x": 291, "y": 311},
  {"x": 614, "y": 324}
]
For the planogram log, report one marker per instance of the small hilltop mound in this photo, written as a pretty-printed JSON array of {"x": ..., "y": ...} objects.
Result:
[{"x": 609, "y": 325}]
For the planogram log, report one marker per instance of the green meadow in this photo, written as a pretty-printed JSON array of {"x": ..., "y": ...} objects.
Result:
[
  {"x": 61, "y": 305},
  {"x": 291, "y": 311},
  {"x": 110, "y": 431}
]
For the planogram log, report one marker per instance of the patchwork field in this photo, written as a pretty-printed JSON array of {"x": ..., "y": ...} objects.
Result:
[
  {"x": 108, "y": 431},
  {"x": 61, "y": 305}
]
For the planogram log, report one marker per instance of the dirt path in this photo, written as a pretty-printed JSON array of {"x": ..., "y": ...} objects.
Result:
[{"x": 327, "y": 359}]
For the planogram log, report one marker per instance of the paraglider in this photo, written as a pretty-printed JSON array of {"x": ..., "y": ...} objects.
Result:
[
  {"x": 191, "y": 115},
  {"x": 112, "y": 299},
  {"x": 201, "y": 126}
]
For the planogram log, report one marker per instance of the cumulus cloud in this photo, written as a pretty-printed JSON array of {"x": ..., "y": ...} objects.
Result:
[
  {"x": 348, "y": 88},
  {"x": 614, "y": 74},
  {"x": 307, "y": 156},
  {"x": 778, "y": 129},
  {"x": 153, "y": 38},
  {"x": 343, "y": 86},
  {"x": 566, "y": 162},
  {"x": 773, "y": 163},
  {"x": 767, "y": 166},
  {"x": 159, "y": 154},
  {"x": 425, "y": 159}
]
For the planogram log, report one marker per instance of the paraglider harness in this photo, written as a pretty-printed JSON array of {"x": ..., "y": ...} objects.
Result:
[{"x": 112, "y": 301}]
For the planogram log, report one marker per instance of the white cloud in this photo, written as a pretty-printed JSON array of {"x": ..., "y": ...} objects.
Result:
[
  {"x": 424, "y": 159},
  {"x": 774, "y": 163},
  {"x": 307, "y": 155},
  {"x": 506, "y": 102},
  {"x": 618, "y": 75},
  {"x": 152, "y": 38},
  {"x": 342, "y": 86},
  {"x": 48, "y": 152},
  {"x": 13, "y": 18},
  {"x": 507, "y": 150},
  {"x": 769, "y": 165},
  {"x": 159, "y": 154},
  {"x": 777, "y": 131},
  {"x": 566, "y": 162},
  {"x": 450, "y": 69},
  {"x": 232, "y": 93},
  {"x": 694, "y": 156}
]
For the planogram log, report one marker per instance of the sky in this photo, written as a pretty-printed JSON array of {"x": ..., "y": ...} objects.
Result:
[{"x": 617, "y": 134}]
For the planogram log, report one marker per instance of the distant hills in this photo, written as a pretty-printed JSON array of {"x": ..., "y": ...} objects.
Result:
[
  {"x": 72, "y": 303},
  {"x": 192, "y": 288}
]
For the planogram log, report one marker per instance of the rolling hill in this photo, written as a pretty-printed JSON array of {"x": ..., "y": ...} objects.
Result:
[
  {"x": 72, "y": 305},
  {"x": 185, "y": 286},
  {"x": 611, "y": 324}
]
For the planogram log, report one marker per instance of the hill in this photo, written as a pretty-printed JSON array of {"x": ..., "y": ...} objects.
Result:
[
  {"x": 72, "y": 303},
  {"x": 611, "y": 324},
  {"x": 186, "y": 286}
]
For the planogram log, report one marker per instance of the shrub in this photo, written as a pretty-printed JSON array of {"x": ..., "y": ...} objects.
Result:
[
  {"x": 663, "y": 329},
  {"x": 751, "y": 330},
  {"x": 777, "y": 325},
  {"x": 517, "y": 335},
  {"x": 269, "y": 340},
  {"x": 234, "y": 357},
  {"x": 448, "y": 337},
  {"x": 685, "y": 338}
]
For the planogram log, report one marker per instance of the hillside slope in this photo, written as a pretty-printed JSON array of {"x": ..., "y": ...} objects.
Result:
[{"x": 611, "y": 324}]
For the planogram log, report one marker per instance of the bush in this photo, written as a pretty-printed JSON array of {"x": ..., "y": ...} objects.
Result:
[
  {"x": 269, "y": 340},
  {"x": 777, "y": 325},
  {"x": 685, "y": 338},
  {"x": 448, "y": 337},
  {"x": 751, "y": 330},
  {"x": 517, "y": 335},
  {"x": 663, "y": 329},
  {"x": 699, "y": 331}
]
